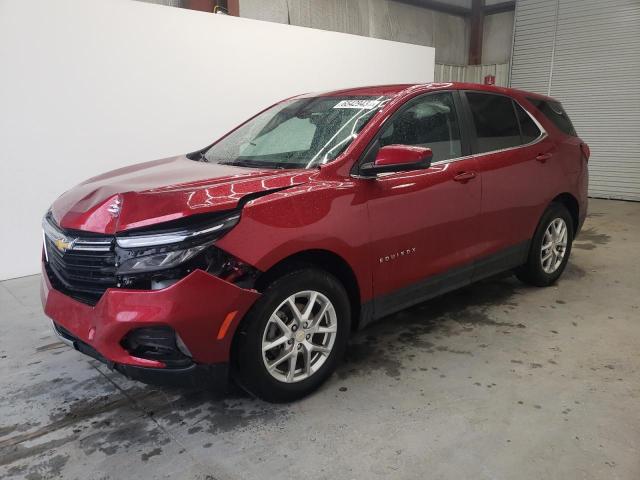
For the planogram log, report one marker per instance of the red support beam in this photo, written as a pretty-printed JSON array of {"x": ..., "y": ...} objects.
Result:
[
  {"x": 201, "y": 5},
  {"x": 439, "y": 6},
  {"x": 476, "y": 30},
  {"x": 233, "y": 6}
]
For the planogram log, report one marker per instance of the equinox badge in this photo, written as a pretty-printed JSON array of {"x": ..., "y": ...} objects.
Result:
[{"x": 395, "y": 256}]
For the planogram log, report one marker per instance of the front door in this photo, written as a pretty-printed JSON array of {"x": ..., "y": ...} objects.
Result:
[{"x": 424, "y": 224}]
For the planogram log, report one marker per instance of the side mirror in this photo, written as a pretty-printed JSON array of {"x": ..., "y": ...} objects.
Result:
[{"x": 398, "y": 158}]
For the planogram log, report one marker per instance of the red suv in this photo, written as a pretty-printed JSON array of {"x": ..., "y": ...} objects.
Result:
[{"x": 256, "y": 256}]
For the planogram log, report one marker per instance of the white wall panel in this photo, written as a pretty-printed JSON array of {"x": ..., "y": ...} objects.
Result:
[
  {"x": 591, "y": 64},
  {"x": 92, "y": 85}
]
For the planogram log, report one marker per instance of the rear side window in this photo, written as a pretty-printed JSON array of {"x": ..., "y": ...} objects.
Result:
[
  {"x": 528, "y": 127},
  {"x": 495, "y": 122},
  {"x": 554, "y": 112}
]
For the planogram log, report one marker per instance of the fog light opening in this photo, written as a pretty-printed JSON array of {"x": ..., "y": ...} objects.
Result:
[
  {"x": 182, "y": 346},
  {"x": 157, "y": 343}
]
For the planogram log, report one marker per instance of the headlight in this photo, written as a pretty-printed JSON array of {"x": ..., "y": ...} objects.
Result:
[
  {"x": 158, "y": 261},
  {"x": 176, "y": 236},
  {"x": 166, "y": 249}
]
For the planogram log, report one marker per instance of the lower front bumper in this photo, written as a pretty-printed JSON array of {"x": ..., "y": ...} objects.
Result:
[
  {"x": 203, "y": 310},
  {"x": 195, "y": 375}
]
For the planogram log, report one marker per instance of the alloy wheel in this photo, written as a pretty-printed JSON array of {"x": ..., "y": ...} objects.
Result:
[
  {"x": 554, "y": 245},
  {"x": 299, "y": 336}
]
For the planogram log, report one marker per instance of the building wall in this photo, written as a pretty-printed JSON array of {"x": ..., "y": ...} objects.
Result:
[
  {"x": 473, "y": 73},
  {"x": 386, "y": 19},
  {"x": 497, "y": 37},
  {"x": 390, "y": 20}
]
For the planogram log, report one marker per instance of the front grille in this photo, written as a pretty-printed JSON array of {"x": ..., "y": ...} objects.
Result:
[{"x": 84, "y": 272}]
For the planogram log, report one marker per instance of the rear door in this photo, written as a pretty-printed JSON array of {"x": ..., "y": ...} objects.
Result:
[
  {"x": 424, "y": 224},
  {"x": 514, "y": 157}
]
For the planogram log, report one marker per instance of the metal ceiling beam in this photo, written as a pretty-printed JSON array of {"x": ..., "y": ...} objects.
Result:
[
  {"x": 439, "y": 6},
  {"x": 443, "y": 6},
  {"x": 500, "y": 7}
]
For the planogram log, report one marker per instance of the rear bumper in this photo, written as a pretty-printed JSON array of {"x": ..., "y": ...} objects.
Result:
[{"x": 195, "y": 307}]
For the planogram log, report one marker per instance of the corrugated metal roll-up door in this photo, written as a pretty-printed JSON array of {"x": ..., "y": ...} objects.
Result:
[
  {"x": 593, "y": 68},
  {"x": 534, "y": 32}
]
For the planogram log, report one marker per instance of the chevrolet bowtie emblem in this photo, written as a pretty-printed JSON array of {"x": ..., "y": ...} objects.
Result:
[
  {"x": 63, "y": 244},
  {"x": 114, "y": 208}
]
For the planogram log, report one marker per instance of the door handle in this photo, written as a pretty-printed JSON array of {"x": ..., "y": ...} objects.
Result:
[
  {"x": 543, "y": 157},
  {"x": 464, "y": 177}
]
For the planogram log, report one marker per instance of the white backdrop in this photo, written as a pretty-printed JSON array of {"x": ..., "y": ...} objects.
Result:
[{"x": 87, "y": 86}]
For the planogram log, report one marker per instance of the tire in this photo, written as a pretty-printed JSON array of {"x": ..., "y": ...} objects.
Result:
[
  {"x": 262, "y": 328},
  {"x": 544, "y": 273}
]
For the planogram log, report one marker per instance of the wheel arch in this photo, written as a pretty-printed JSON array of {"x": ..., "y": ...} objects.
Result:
[
  {"x": 570, "y": 201},
  {"x": 321, "y": 259},
  {"x": 317, "y": 258}
]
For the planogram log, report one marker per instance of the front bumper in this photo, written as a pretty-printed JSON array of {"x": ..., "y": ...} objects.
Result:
[
  {"x": 195, "y": 307},
  {"x": 195, "y": 375}
]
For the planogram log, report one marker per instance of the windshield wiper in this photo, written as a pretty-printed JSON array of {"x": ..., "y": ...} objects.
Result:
[
  {"x": 260, "y": 164},
  {"x": 246, "y": 163}
]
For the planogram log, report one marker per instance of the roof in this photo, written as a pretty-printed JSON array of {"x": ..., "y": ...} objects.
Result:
[{"x": 393, "y": 90}]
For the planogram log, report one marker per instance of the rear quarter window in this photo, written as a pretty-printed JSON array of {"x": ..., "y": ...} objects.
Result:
[
  {"x": 556, "y": 114},
  {"x": 494, "y": 118},
  {"x": 528, "y": 128}
]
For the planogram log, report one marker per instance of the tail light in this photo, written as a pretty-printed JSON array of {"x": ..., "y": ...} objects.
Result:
[{"x": 586, "y": 151}]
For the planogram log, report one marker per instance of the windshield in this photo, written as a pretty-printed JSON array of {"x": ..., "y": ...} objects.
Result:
[{"x": 298, "y": 133}]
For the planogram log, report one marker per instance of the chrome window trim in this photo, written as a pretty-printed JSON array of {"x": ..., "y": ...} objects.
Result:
[
  {"x": 543, "y": 132},
  {"x": 538, "y": 139}
]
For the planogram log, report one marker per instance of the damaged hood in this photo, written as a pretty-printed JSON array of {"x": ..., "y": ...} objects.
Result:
[{"x": 163, "y": 190}]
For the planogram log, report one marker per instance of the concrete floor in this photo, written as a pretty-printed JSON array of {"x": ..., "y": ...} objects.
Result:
[{"x": 497, "y": 381}]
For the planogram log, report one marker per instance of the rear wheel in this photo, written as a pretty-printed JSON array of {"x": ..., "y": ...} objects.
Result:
[
  {"x": 293, "y": 337},
  {"x": 550, "y": 248}
]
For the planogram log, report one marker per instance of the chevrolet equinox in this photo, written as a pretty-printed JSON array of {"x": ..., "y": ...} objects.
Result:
[{"x": 255, "y": 257}]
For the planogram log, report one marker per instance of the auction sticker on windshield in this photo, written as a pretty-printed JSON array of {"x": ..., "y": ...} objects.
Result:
[{"x": 361, "y": 104}]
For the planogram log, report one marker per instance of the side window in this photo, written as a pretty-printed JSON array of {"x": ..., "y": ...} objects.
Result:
[
  {"x": 554, "y": 112},
  {"x": 528, "y": 127},
  {"x": 495, "y": 121},
  {"x": 429, "y": 121}
]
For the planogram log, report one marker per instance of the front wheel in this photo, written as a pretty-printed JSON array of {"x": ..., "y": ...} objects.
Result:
[
  {"x": 293, "y": 338},
  {"x": 550, "y": 248}
]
